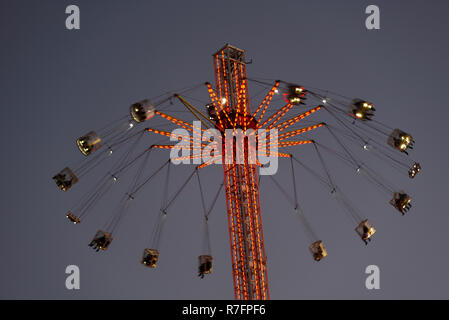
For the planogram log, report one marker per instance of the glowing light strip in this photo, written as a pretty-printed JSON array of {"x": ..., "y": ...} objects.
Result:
[
  {"x": 280, "y": 154},
  {"x": 265, "y": 103},
  {"x": 232, "y": 233},
  {"x": 240, "y": 234},
  {"x": 181, "y": 123},
  {"x": 256, "y": 215},
  {"x": 293, "y": 143},
  {"x": 286, "y": 107},
  {"x": 214, "y": 97},
  {"x": 288, "y": 123},
  {"x": 291, "y": 134},
  {"x": 219, "y": 78},
  {"x": 168, "y": 134},
  {"x": 176, "y": 146},
  {"x": 244, "y": 99},
  {"x": 251, "y": 228},
  {"x": 208, "y": 163},
  {"x": 215, "y": 103}
]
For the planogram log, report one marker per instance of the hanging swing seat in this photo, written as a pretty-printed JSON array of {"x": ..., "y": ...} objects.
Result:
[
  {"x": 73, "y": 218},
  {"x": 150, "y": 258},
  {"x": 89, "y": 143},
  {"x": 204, "y": 265},
  {"x": 365, "y": 230},
  {"x": 400, "y": 140},
  {"x": 401, "y": 201},
  {"x": 362, "y": 110},
  {"x": 101, "y": 241},
  {"x": 142, "y": 111},
  {"x": 65, "y": 179},
  {"x": 295, "y": 94},
  {"x": 318, "y": 251},
  {"x": 414, "y": 170}
]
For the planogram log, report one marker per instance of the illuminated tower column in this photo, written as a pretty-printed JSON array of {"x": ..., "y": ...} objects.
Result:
[{"x": 241, "y": 181}]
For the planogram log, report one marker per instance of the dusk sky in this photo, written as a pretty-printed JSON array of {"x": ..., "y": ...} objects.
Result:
[{"x": 58, "y": 84}]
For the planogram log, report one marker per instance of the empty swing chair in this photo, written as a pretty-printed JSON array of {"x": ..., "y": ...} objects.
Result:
[
  {"x": 89, "y": 143},
  {"x": 142, "y": 111}
]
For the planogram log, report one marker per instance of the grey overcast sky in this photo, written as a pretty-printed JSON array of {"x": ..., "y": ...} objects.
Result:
[{"x": 58, "y": 84}]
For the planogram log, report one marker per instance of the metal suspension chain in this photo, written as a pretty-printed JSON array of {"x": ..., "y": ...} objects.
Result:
[
  {"x": 162, "y": 214},
  {"x": 91, "y": 198},
  {"x": 97, "y": 159},
  {"x": 128, "y": 152},
  {"x": 354, "y": 161},
  {"x": 336, "y": 191},
  {"x": 206, "y": 218},
  {"x": 91, "y": 202},
  {"x": 131, "y": 196},
  {"x": 381, "y": 154},
  {"x": 344, "y": 124},
  {"x": 323, "y": 164},
  {"x": 163, "y": 211},
  {"x": 376, "y": 179},
  {"x": 366, "y": 142},
  {"x": 312, "y": 235},
  {"x": 313, "y": 172},
  {"x": 307, "y": 227},
  {"x": 179, "y": 190},
  {"x": 139, "y": 187},
  {"x": 294, "y": 184}
]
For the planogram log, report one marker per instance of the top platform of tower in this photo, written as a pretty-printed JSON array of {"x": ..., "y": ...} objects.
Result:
[{"x": 232, "y": 53}]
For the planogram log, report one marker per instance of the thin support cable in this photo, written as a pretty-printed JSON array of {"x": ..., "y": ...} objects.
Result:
[
  {"x": 215, "y": 199},
  {"x": 206, "y": 218},
  {"x": 373, "y": 178},
  {"x": 129, "y": 196},
  {"x": 323, "y": 164},
  {"x": 123, "y": 168},
  {"x": 345, "y": 125},
  {"x": 167, "y": 180},
  {"x": 138, "y": 188},
  {"x": 90, "y": 199},
  {"x": 313, "y": 172},
  {"x": 157, "y": 234},
  {"x": 304, "y": 222},
  {"x": 313, "y": 237},
  {"x": 128, "y": 152},
  {"x": 294, "y": 183},
  {"x": 179, "y": 190},
  {"x": 354, "y": 161},
  {"x": 95, "y": 199},
  {"x": 336, "y": 191},
  {"x": 162, "y": 214}
]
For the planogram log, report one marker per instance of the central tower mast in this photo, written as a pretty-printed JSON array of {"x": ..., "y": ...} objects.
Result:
[{"x": 241, "y": 181}]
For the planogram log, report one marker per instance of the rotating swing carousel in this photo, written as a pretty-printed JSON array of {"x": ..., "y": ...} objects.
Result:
[{"x": 332, "y": 125}]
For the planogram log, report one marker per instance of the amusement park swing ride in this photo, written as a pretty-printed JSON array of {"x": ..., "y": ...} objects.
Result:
[{"x": 227, "y": 113}]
